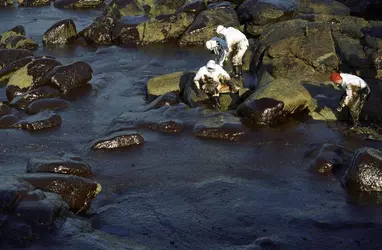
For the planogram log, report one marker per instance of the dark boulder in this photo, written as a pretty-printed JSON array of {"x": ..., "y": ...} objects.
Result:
[
  {"x": 78, "y": 192},
  {"x": 43, "y": 120},
  {"x": 100, "y": 31},
  {"x": 77, "y": 4},
  {"x": 129, "y": 30},
  {"x": 204, "y": 26},
  {"x": 13, "y": 40},
  {"x": 170, "y": 126},
  {"x": 166, "y": 7},
  {"x": 11, "y": 68},
  {"x": 59, "y": 166},
  {"x": 4, "y": 109},
  {"x": 365, "y": 171},
  {"x": 219, "y": 5},
  {"x": 121, "y": 8},
  {"x": 215, "y": 129},
  {"x": 118, "y": 140},
  {"x": 8, "y": 121},
  {"x": 23, "y": 100},
  {"x": 19, "y": 29},
  {"x": 33, "y": 3},
  {"x": 32, "y": 74},
  {"x": 194, "y": 7},
  {"x": 67, "y": 77},
  {"x": 11, "y": 193},
  {"x": 169, "y": 98},
  {"x": 268, "y": 11},
  {"x": 62, "y": 32},
  {"x": 8, "y": 56},
  {"x": 244, "y": 11},
  {"x": 47, "y": 104}
]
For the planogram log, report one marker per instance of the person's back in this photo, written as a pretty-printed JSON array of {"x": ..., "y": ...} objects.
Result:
[{"x": 349, "y": 79}]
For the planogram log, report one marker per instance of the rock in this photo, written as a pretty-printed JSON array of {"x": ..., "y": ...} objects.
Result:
[
  {"x": 227, "y": 128},
  {"x": 170, "y": 98},
  {"x": 330, "y": 7},
  {"x": 23, "y": 100},
  {"x": 11, "y": 68},
  {"x": 219, "y": 5},
  {"x": 67, "y": 77},
  {"x": 324, "y": 114},
  {"x": 170, "y": 126},
  {"x": 13, "y": 40},
  {"x": 244, "y": 11},
  {"x": 173, "y": 82},
  {"x": 59, "y": 166},
  {"x": 43, "y": 120},
  {"x": 204, "y": 26},
  {"x": 195, "y": 7},
  {"x": 4, "y": 3},
  {"x": 4, "y": 109},
  {"x": 77, "y": 3},
  {"x": 8, "y": 56},
  {"x": 19, "y": 29},
  {"x": 194, "y": 97},
  {"x": 164, "y": 28},
  {"x": 268, "y": 11},
  {"x": 364, "y": 173},
  {"x": 11, "y": 193},
  {"x": 329, "y": 159},
  {"x": 118, "y": 140},
  {"x": 62, "y": 32},
  {"x": 167, "y": 7},
  {"x": 99, "y": 32},
  {"x": 296, "y": 100},
  {"x": 129, "y": 30},
  {"x": 33, "y": 3},
  {"x": 47, "y": 104},
  {"x": 124, "y": 8},
  {"x": 32, "y": 73},
  {"x": 78, "y": 192},
  {"x": 8, "y": 121}
]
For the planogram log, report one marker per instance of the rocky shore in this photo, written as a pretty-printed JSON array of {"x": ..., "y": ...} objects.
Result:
[{"x": 294, "y": 46}]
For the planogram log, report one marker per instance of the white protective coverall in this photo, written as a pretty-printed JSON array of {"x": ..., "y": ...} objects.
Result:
[
  {"x": 219, "y": 47},
  {"x": 237, "y": 43},
  {"x": 357, "y": 93}
]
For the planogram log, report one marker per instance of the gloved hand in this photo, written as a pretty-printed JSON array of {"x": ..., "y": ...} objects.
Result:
[{"x": 339, "y": 109}]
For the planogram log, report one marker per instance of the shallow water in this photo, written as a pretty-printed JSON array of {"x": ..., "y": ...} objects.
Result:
[{"x": 178, "y": 191}]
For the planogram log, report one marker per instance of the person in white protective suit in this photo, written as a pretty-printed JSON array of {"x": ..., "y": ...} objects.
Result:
[
  {"x": 210, "y": 78},
  {"x": 218, "y": 47},
  {"x": 237, "y": 44},
  {"x": 357, "y": 93}
]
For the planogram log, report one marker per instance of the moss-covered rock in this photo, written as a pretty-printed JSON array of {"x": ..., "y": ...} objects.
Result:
[
  {"x": 204, "y": 26},
  {"x": 163, "y": 84},
  {"x": 8, "y": 56},
  {"x": 62, "y": 32},
  {"x": 125, "y": 8},
  {"x": 330, "y": 7},
  {"x": 164, "y": 28},
  {"x": 129, "y": 30},
  {"x": 32, "y": 73},
  {"x": 77, "y": 3},
  {"x": 13, "y": 40},
  {"x": 99, "y": 32},
  {"x": 11, "y": 68},
  {"x": 268, "y": 11},
  {"x": 33, "y": 3},
  {"x": 167, "y": 7}
]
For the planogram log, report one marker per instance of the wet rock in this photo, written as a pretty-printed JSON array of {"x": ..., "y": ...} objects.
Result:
[
  {"x": 166, "y": 7},
  {"x": 13, "y": 91},
  {"x": 99, "y": 32},
  {"x": 59, "y": 166},
  {"x": 77, "y": 3},
  {"x": 118, "y": 140},
  {"x": 171, "y": 126},
  {"x": 8, "y": 121},
  {"x": 8, "y": 56},
  {"x": 13, "y": 40},
  {"x": 268, "y": 11},
  {"x": 124, "y": 8},
  {"x": 164, "y": 28},
  {"x": 43, "y": 120},
  {"x": 330, "y": 7},
  {"x": 11, "y": 193},
  {"x": 170, "y": 98},
  {"x": 324, "y": 114},
  {"x": 263, "y": 111},
  {"x": 129, "y": 30},
  {"x": 219, "y": 5},
  {"x": 23, "y": 100},
  {"x": 244, "y": 11},
  {"x": 194, "y": 97},
  {"x": 78, "y": 192},
  {"x": 62, "y": 32},
  {"x": 330, "y": 159},
  {"x": 204, "y": 26},
  {"x": 19, "y": 29},
  {"x": 173, "y": 82},
  {"x": 4, "y": 3},
  {"x": 33, "y": 3},
  {"x": 296, "y": 100},
  {"x": 47, "y": 104},
  {"x": 4, "y": 109},
  {"x": 364, "y": 173},
  {"x": 31, "y": 74},
  {"x": 68, "y": 77},
  {"x": 221, "y": 129},
  {"x": 194, "y": 7},
  {"x": 11, "y": 68}
]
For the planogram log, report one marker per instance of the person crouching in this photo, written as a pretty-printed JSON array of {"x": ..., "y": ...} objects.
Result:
[
  {"x": 357, "y": 93},
  {"x": 210, "y": 78}
]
